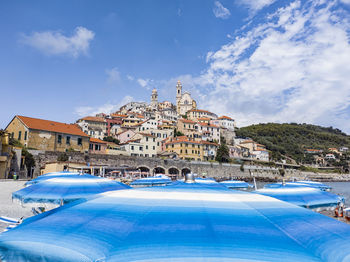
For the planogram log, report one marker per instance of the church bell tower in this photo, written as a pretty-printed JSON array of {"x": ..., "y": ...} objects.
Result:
[{"x": 178, "y": 95}]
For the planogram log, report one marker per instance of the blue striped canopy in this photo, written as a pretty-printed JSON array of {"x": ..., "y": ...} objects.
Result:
[
  {"x": 180, "y": 222},
  {"x": 236, "y": 184},
  {"x": 312, "y": 198},
  {"x": 299, "y": 184},
  {"x": 66, "y": 189},
  {"x": 151, "y": 181},
  {"x": 49, "y": 176}
]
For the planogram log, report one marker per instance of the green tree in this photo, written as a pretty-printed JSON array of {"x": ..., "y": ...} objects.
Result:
[
  {"x": 177, "y": 133},
  {"x": 223, "y": 154},
  {"x": 28, "y": 157},
  {"x": 111, "y": 139}
]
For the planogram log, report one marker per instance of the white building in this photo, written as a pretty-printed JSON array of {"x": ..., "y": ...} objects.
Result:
[{"x": 93, "y": 126}]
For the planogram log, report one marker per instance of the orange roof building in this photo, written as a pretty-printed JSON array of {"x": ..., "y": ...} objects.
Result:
[{"x": 48, "y": 135}]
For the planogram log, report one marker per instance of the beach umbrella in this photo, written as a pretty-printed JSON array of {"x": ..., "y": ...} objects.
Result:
[
  {"x": 308, "y": 197},
  {"x": 180, "y": 222},
  {"x": 51, "y": 175},
  {"x": 152, "y": 181},
  {"x": 299, "y": 184},
  {"x": 236, "y": 184},
  {"x": 61, "y": 190}
]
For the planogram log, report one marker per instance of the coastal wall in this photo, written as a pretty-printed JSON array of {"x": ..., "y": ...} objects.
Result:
[
  {"x": 179, "y": 167},
  {"x": 168, "y": 166}
]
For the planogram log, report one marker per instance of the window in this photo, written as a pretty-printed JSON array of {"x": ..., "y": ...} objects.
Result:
[
  {"x": 12, "y": 135},
  {"x": 80, "y": 141},
  {"x": 59, "y": 139},
  {"x": 25, "y": 135},
  {"x": 132, "y": 147},
  {"x": 91, "y": 146},
  {"x": 141, "y": 148},
  {"x": 19, "y": 135},
  {"x": 68, "y": 140},
  {"x": 154, "y": 148},
  {"x": 186, "y": 151},
  {"x": 146, "y": 139},
  {"x": 96, "y": 147},
  {"x": 172, "y": 145},
  {"x": 157, "y": 143},
  {"x": 181, "y": 151},
  {"x": 192, "y": 152},
  {"x": 154, "y": 140},
  {"x": 146, "y": 147}
]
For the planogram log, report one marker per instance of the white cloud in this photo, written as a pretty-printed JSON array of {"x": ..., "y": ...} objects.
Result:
[
  {"x": 106, "y": 108},
  {"x": 143, "y": 82},
  {"x": 293, "y": 68},
  {"x": 113, "y": 76},
  {"x": 345, "y": 2},
  {"x": 130, "y": 78},
  {"x": 55, "y": 43},
  {"x": 255, "y": 5},
  {"x": 220, "y": 11}
]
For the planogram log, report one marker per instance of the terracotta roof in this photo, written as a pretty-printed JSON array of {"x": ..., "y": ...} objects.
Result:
[
  {"x": 182, "y": 139},
  {"x": 204, "y": 118},
  {"x": 209, "y": 143},
  {"x": 145, "y": 134},
  {"x": 93, "y": 118},
  {"x": 52, "y": 126},
  {"x": 205, "y": 124},
  {"x": 247, "y": 141},
  {"x": 225, "y": 117},
  {"x": 314, "y": 150},
  {"x": 118, "y": 115},
  {"x": 96, "y": 140}
]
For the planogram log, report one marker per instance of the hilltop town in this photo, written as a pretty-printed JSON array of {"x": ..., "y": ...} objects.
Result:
[{"x": 152, "y": 130}]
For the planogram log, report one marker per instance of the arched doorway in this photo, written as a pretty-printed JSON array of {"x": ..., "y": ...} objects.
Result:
[
  {"x": 173, "y": 173},
  {"x": 144, "y": 171},
  {"x": 185, "y": 171},
  {"x": 159, "y": 170}
]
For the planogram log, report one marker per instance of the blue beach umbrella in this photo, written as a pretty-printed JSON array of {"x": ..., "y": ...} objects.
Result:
[
  {"x": 236, "y": 184},
  {"x": 180, "y": 222},
  {"x": 299, "y": 184},
  {"x": 60, "y": 190},
  {"x": 152, "y": 181},
  {"x": 308, "y": 197},
  {"x": 49, "y": 176}
]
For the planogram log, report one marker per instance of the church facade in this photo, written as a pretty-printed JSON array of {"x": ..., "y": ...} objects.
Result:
[{"x": 184, "y": 101}]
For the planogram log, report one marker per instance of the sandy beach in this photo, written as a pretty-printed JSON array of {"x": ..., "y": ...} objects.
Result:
[{"x": 9, "y": 208}]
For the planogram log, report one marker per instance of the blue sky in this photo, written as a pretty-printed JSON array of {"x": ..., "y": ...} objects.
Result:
[{"x": 255, "y": 60}]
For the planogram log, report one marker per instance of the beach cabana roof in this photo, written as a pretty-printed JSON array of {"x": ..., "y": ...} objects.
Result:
[
  {"x": 308, "y": 197},
  {"x": 180, "y": 222},
  {"x": 61, "y": 190},
  {"x": 236, "y": 184},
  {"x": 151, "y": 181}
]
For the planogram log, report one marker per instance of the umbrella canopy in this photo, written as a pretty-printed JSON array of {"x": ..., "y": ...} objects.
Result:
[
  {"x": 312, "y": 198},
  {"x": 180, "y": 222},
  {"x": 49, "y": 176},
  {"x": 66, "y": 189},
  {"x": 236, "y": 184},
  {"x": 152, "y": 181},
  {"x": 299, "y": 184}
]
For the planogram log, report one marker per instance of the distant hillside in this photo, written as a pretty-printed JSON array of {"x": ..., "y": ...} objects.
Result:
[{"x": 292, "y": 139}]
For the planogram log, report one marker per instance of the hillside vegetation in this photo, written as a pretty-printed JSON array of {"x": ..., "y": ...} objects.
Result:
[{"x": 292, "y": 139}]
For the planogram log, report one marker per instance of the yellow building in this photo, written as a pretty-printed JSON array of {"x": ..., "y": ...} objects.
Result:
[
  {"x": 48, "y": 135},
  {"x": 189, "y": 128},
  {"x": 185, "y": 148},
  {"x": 5, "y": 154}
]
